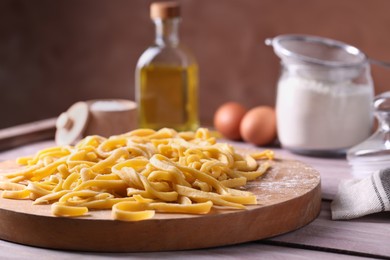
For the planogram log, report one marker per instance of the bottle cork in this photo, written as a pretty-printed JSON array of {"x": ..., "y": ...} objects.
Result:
[{"x": 164, "y": 10}]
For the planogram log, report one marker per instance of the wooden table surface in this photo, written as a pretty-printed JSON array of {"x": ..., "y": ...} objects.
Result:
[{"x": 366, "y": 237}]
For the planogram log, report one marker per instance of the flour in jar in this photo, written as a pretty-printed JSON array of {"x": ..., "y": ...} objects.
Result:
[{"x": 321, "y": 115}]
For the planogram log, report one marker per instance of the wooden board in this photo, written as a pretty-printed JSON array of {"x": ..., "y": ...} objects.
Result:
[{"x": 289, "y": 197}]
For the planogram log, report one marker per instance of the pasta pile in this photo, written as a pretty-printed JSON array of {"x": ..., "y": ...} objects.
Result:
[{"x": 137, "y": 174}]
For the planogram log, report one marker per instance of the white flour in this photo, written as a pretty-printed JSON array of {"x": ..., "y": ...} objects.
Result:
[{"x": 315, "y": 115}]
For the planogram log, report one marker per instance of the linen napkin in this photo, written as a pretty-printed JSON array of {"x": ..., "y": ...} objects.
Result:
[{"x": 357, "y": 198}]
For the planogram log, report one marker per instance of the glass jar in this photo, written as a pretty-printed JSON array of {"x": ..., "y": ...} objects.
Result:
[
  {"x": 324, "y": 95},
  {"x": 374, "y": 153},
  {"x": 167, "y": 76}
]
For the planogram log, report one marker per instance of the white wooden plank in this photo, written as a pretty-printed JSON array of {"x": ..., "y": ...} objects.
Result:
[
  {"x": 244, "y": 251},
  {"x": 366, "y": 235}
]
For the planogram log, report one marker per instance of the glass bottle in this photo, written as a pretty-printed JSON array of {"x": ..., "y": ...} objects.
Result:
[{"x": 167, "y": 76}]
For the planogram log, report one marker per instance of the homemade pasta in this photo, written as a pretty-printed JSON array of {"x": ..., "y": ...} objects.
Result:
[{"x": 137, "y": 174}]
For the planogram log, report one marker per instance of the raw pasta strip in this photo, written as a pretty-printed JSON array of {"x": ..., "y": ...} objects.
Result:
[
  {"x": 197, "y": 208},
  {"x": 235, "y": 182},
  {"x": 170, "y": 176},
  {"x": 11, "y": 186},
  {"x": 16, "y": 194},
  {"x": 201, "y": 196},
  {"x": 118, "y": 186},
  {"x": 26, "y": 172},
  {"x": 165, "y": 196},
  {"x": 266, "y": 154},
  {"x": 39, "y": 174},
  {"x": 250, "y": 176},
  {"x": 104, "y": 203},
  {"x": 131, "y": 211},
  {"x": 111, "y": 160},
  {"x": 59, "y": 209},
  {"x": 50, "y": 197}
]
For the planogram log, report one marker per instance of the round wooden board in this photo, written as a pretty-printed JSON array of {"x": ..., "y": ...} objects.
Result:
[{"x": 289, "y": 197}]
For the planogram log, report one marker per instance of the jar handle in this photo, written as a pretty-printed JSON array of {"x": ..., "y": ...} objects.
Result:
[{"x": 382, "y": 111}]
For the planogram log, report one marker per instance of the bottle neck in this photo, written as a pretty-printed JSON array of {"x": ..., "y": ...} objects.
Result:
[{"x": 167, "y": 32}]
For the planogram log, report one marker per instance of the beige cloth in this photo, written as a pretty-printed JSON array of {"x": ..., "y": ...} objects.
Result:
[{"x": 357, "y": 198}]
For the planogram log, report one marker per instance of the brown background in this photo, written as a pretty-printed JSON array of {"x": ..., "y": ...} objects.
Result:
[{"x": 54, "y": 53}]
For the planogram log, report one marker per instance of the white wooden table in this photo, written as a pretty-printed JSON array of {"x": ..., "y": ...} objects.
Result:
[{"x": 366, "y": 237}]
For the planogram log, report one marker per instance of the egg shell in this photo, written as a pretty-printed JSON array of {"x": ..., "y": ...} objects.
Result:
[
  {"x": 227, "y": 120},
  {"x": 258, "y": 126}
]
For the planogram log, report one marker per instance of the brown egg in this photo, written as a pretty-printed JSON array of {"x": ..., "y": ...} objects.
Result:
[
  {"x": 227, "y": 120},
  {"x": 259, "y": 125}
]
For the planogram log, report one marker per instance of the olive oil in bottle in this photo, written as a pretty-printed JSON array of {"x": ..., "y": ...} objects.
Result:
[{"x": 167, "y": 76}]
